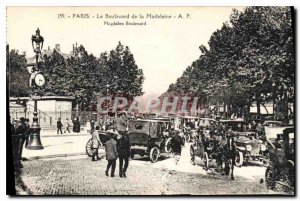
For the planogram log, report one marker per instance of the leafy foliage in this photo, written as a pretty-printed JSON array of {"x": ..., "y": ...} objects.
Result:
[
  {"x": 250, "y": 59},
  {"x": 84, "y": 76}
]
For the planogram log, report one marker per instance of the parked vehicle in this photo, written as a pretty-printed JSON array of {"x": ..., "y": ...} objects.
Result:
[
  {"x": 280, "y": 173},
  {"x": 148, "y": 137},
  {"x": 169, "y": 122},
  {"x": 249, "y": 146}
]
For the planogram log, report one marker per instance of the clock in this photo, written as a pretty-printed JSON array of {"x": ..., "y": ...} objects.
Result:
[{"x": 39, "y": 79}]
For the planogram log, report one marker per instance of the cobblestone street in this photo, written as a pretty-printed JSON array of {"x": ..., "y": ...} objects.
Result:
[{"x": 81, "y": 176}]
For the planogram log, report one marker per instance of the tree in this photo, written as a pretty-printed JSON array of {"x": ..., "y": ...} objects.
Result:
[
  {"x": 250, "y": 59},
  {"x": 18, "y": 74}
]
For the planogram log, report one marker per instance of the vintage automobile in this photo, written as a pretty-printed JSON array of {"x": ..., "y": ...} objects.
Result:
[
  {"x": 189, "y": 124},
  {"x": 104, "y": 137},
  {"x": 148, "y": 137},
  {"x": 250, "y": 146},
  {"x": 280, "y": 173},
  {"x": 169, "y": 122}
]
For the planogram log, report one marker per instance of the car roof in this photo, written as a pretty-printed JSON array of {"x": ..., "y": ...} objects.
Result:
[{"x": 232, "y": 120}]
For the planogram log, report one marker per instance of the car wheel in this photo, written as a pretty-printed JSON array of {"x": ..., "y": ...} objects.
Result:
[
  {"x": 239, "y": 159},
  {"x": 154, "y": 154},
  {"x": 168, "y": 147}
]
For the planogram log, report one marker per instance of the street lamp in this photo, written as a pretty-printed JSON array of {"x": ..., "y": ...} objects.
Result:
[{"x": 36, "y": 80}]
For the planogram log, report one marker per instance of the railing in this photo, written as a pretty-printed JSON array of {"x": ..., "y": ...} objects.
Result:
[{"x": 40, "y": 115}]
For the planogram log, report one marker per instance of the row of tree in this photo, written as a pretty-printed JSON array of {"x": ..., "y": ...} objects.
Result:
[
  {"x": 81, "y": 75},
  {"x": 249, "y": 59}
]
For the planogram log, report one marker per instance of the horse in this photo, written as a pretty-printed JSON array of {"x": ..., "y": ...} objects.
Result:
[{"x": 226, "y": 154}]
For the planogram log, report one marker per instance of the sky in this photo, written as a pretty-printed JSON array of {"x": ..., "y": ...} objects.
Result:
[{"x": 163, "y": 48}]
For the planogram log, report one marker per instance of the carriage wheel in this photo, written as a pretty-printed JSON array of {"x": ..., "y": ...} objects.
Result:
[
  {"x": 269, "y": 178},
  {"x": 239, "y": 159},
  {"x": 168, "y": 147},
  {"x": 88, "y": 148},
  {"x": 192, "y": 153},
  {"x": 154, "y": 154},
  {"x": 206, "y": 159}
]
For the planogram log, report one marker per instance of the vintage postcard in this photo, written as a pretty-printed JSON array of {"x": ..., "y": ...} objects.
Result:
[{"x": 151, "y": 100}]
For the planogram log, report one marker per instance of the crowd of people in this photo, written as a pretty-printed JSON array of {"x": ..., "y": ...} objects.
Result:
[{"x": 20, "y": 128}]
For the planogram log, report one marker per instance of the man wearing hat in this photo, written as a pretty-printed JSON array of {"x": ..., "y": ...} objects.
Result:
[{"x": 111, "y": 154}]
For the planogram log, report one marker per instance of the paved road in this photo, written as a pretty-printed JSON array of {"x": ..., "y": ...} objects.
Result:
[{"x": 78, "y": 175}]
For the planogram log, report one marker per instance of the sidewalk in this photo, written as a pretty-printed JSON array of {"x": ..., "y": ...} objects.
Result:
[{"x": 59, "y": 145}]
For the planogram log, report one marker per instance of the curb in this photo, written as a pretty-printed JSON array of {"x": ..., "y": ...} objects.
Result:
[{"x": 55, "y": 156}]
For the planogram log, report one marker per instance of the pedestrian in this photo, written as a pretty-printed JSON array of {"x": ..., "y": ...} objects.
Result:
[
  {"x": 88, "y": 126},
  {"x": 92, "y": 125},
  {"x": 27, "y": 134},
  {"x": 67, "y": 126},
  {"x": 74, "y": 125},
  {"x": 121, "y": 124},
  {"x": 123, "y": 153},
  {"x": 77, "y": 125},
  {"x": 176, "y": 143},
  {"x": 23, "y": 131},
  {"x": 95, "y": 143},
  {"x": 111, "y": 154},
  {"x": 59, "y": 126}
]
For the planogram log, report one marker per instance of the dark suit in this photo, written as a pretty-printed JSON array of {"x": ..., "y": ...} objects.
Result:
[{"x": 124, "y": 153}]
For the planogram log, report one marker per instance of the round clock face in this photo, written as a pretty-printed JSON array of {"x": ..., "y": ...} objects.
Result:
[{"x": 39, "y": 80}]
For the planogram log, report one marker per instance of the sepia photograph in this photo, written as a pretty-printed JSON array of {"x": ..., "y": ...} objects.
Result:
[{"x": 144, "y": 101}]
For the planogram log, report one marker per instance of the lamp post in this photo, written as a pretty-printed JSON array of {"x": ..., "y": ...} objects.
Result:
[{"x": 36, "y": 80}]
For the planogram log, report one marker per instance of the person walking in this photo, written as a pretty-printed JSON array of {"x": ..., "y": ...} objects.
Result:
[
  {"x": 59, "y": 126},
  {"x": 67, "y": 126},
  {"x": 176, "y": 143},
  {"x": 124, "y": 153},
  {"x": 111, "y": 154},
  {"x": 95, "y": 143}
]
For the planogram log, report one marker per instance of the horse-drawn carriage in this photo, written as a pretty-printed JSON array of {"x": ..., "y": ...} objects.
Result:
[
  {"x": 280, "y": 173},
  {"x": 149, "y": 137},
  {"x": 220, "y": 148}
]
